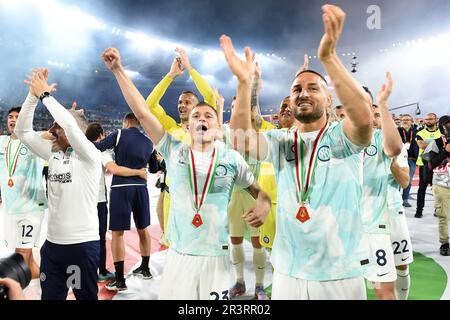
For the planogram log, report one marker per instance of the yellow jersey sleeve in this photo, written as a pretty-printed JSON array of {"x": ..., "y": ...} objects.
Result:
[
  {"x": 157, "y": 110},
  {"x": 204, "y": 88}
]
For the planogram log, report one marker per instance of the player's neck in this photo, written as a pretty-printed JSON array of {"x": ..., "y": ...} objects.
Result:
[
  {"x": 407, "y": 128},
  {"x": 184, "y": 125},
  {"x": 311, "y": 127},
  {"x": 203, "y": 147},
  {"x": 13, "y": 136}
]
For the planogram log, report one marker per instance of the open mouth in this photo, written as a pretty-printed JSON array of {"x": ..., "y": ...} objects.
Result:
[{"x": 201, "y": 128}]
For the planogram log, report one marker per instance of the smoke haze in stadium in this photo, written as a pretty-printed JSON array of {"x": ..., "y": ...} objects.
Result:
[{"x": 69, "y": 37}]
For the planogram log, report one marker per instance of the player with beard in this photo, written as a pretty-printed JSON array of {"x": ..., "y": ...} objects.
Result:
[
  {"x": 203, "y": 175},
  {"x": 318, "y": 251}
]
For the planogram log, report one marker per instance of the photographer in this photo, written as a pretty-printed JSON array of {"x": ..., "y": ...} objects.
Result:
[
  {"x": 439, "y": 161},
  {"x": 14, "y": 290}
]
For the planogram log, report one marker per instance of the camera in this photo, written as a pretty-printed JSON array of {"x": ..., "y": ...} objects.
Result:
[{"x": 14, "y": 267}]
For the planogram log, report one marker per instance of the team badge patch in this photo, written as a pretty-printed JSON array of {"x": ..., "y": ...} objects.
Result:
[
  {"x": 324, "y": 154},
  {"x": 371, "y": 151},
  {"x": 23, "y": 151},
  {"x": 221, "y": 171}
]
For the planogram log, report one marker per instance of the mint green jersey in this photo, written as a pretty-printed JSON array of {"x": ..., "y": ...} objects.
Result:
[
  {"x": 377, "y": 168},
  {"x": 28, "y": 193},
  {"x": 395, "y": 199},
  {"x": 211, "y": 238},
  {"x": 329, "y": 246}
]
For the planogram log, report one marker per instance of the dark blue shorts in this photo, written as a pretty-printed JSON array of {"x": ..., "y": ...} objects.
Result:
[
  {"x": 64, "y": 266},
  {"x": 123, "y": 201}
]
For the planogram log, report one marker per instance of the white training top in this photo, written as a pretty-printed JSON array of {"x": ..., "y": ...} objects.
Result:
[
  {"x": 73, "y": 177},
  {"x": 107, "y": 157}
]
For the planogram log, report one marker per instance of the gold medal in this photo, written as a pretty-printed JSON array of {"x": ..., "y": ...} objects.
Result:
[{"x": 10, "y": 183}]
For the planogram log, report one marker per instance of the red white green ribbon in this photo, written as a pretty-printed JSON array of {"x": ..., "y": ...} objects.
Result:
[
  {"x": 12, "y": 165},
  {"x": 208, "y": 183},
  {"x": 304, "y": 180}
]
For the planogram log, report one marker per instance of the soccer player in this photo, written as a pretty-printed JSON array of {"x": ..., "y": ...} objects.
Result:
[
  {"x": 285, "y": 115},
  {"x": 386, "y": 144},
  {"x": 23, "y": 194},
  {"x": 400, "y": 238},
  {"x": 71, "y": 253},
  {"x": 241, "y": 201},
  {"x": 203, "y": 174},
  {"x": 317, "y": 252},
  {"x": 186, "y": 102}
]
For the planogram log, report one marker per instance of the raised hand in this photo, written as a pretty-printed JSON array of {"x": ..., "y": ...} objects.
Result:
[
  {"x": 175, "y": 70},
  {"x": 255, "y": 217},
  {"x": 184, "y": 58},
  {"x": 37, "y": 82},
  {"x": 219, "y": 99},
  {"x": 112, "y": 59},
  {"x": 305, "y": 65},
  {"x": 243, "y": 70},
  {"x": 333, "y": 20},
  {"x": 386, "y": 90}
]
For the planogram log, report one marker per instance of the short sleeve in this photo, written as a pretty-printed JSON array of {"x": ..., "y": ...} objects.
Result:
[{"x": 166, "y": 145}]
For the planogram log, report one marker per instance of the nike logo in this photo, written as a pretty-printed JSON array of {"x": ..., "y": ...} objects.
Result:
[
  {"x": 405, "y": 259},
  {"x": 382, "y": 275},
  {"x": 26, "y": 242},
  {"x": 290, "y": 160}
]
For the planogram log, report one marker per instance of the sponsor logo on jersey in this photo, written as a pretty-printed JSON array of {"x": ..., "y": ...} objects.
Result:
[{"x": 61, "y": 178}]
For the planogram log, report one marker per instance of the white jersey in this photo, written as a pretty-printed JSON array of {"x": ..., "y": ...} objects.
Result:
[
  {"x": 73, "y": 179},
  {"x": 107, "y": 157},
  {"x": 27, "y": 195}
]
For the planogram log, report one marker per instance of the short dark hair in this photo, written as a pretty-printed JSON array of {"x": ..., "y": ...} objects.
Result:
[
  {"x": 369, "y": 92},
  {"x": 191, "y": 93},
  {"x": 444, "y": 120},
  {"x": 131, "y": 117},
  {"x": 94, "y": 131},
  {"x": 14, "y": 109},
  {"x": 314, "y": 72}
]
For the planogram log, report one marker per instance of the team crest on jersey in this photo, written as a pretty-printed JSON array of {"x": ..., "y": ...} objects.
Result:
[
  {"x": 371, "y": 151},
  {"x": 221, "y": 171},
  {"x": 23, "y": 151},
  {"x": 324, "y": 154}
]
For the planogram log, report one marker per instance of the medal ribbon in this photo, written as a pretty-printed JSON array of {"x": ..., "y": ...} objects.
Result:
[
  {"x": 304, "y": 180},
  {"x": 12, "y": 165},
  {"x": 209, "y": 179}
]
